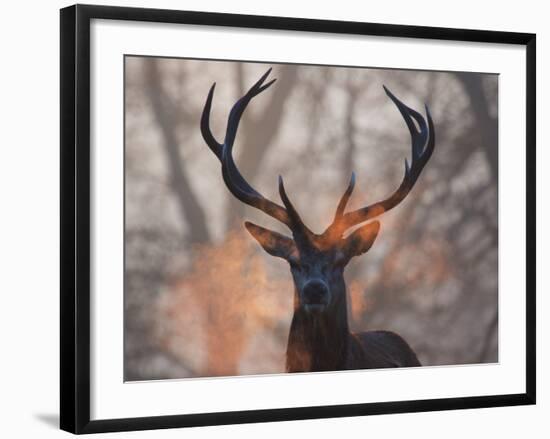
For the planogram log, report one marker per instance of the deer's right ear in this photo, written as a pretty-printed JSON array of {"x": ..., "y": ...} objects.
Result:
[{"x": 272, "y": 242}]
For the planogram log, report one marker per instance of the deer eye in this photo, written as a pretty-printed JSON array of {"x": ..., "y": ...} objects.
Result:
[
  {"x": 325, "y": 269},
  {"x": 294, "y": 262},
  {"x": 339, "y": 259}
]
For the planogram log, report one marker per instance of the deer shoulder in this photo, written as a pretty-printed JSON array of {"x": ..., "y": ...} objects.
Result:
[{"x": 380, "y": 349}]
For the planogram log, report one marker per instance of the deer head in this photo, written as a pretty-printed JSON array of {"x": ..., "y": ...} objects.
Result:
[{"x": 317, "y": 261}]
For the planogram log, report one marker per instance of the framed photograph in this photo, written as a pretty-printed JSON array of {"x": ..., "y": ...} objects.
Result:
[{"x": 268, "y": 218}]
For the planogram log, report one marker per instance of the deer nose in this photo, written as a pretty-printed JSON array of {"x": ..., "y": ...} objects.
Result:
[{"x": 315, "y": 292}]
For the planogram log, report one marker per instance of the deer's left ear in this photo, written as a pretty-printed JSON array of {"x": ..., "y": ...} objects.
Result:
[
  {"x": 272, "y": 242},
  {"x": 361, "y": 240}
]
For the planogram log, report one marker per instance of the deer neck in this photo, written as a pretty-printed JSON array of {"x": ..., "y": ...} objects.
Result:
[{"x": 318, "y": 342}]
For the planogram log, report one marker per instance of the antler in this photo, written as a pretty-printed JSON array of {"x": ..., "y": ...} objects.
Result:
[
  {"x": 234, "y": 180},
  {"x": 422, "y": 142}
]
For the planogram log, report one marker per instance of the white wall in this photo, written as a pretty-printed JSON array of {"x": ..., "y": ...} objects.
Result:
[{"x": 29, "y": 203}]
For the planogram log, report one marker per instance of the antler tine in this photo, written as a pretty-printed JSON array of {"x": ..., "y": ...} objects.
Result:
[
  {"x": 233, "y": 119},
  {"x": 422, "y": 145},
  {"x": 233, "y": 179},
  {"x": 232, "y": 125},
  {"x": 418, "y": 138},
  {"x": 299, "y": 228},
  {"x": 239, "y": 107},
  {"x": 209, "y": 138},
  {"x": 234, "y": 115},
  {"x": 335, "y": 231},
  {"x": 253, "y": 198},
  {"x": 345, "y": 198}
]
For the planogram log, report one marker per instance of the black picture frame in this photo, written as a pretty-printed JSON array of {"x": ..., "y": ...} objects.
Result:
[{"x": 76, "y": 210}]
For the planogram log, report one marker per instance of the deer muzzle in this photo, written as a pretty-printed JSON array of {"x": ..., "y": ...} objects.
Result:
[{"x": 315, "y": 295}]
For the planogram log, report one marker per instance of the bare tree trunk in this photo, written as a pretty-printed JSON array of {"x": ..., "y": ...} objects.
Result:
[
  {"x": 163, "y": 108},
  {"x": 348, "y": 164},
  {"x": 488, "y": 125},
  {"x": 190, "y": 209},
  {"x": 349, "y": 134}
]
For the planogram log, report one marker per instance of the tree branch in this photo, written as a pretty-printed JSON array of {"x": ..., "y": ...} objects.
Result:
[{"x": 190, "y": 209}]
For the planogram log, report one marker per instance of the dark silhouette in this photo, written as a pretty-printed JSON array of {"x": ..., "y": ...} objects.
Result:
[{"x": 320, "y": 338}]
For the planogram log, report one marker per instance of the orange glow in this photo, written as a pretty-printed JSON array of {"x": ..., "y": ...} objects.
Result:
[
  {"x": 359, "y": 302},
  {"x": 219, "y": 306}
]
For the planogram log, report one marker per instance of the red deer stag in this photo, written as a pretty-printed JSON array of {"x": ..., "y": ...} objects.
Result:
[{"x": 319, "y": 338}]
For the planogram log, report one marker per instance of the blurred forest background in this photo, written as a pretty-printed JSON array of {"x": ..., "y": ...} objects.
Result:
[{"x": 203, "y": 299}]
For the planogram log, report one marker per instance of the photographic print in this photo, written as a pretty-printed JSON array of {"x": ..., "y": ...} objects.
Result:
[{"x": 350, "y": 222}]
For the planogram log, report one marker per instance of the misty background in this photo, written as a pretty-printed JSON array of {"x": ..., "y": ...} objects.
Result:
[{"x": 203, "y": 299}]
